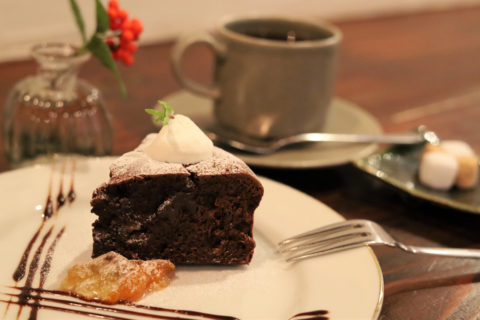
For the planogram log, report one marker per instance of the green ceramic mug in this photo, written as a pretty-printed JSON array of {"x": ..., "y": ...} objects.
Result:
[{"x": 274, "y": 76}]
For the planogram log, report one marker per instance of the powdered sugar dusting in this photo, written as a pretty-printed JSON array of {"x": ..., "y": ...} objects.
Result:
[
  {"x": 221, "y": 162},
  {"x": 138, "y": 163}
]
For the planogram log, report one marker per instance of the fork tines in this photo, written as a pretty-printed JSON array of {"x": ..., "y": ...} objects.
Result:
[{"x": 332, "y": 238}]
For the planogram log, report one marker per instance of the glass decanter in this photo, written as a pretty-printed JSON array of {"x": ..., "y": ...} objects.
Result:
[{"x": 54, "y": 112}]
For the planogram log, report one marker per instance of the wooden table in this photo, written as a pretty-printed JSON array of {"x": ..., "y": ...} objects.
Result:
[{"x": 406, "y": 70}]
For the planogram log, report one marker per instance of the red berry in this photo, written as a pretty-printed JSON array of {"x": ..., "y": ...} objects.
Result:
[
  {"x": 124, "y": 43},
  {"x": 115, "y": 54},
  {"x": 113, "y": 4},
  {"x": 115, "y": 25},
  {"x": 127, "y": 59},
  {"x": 127, "y": 35},
  {"x": 112, "y": 13},
  {"x": 136, "y": 26},
  {"x": 127, "y": 25},
  {"x": 120, "y": 53},
  {"x": 130, "y": 47},
  {"x": 122, "y": 14}
]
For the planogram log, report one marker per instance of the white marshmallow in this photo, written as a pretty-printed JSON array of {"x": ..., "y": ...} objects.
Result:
[{"x": 438, "y": 170}]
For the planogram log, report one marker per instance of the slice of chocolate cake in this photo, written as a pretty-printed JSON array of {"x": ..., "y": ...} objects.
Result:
[{"x": 200, "y": 213}]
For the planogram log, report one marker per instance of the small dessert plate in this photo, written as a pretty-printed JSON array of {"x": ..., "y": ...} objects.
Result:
[
  {"x": 343, "y": 117},
  {"x": 398, "y": 166},
  {"x": 343, "y": 286}
]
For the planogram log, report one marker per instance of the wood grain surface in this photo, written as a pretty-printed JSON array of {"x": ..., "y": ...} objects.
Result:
[{"x": 406, "y": 70}]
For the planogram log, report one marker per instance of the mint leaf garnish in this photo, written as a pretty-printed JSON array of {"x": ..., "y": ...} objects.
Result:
[{"x": 162, "y": 116}]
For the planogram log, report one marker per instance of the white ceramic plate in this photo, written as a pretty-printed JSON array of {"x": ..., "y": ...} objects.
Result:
[
  {"x": 349, "y": 284},
  {"x": 343, "y": 117}
]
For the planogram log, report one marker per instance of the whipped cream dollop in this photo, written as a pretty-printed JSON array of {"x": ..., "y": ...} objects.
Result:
[{"x": 180, "y": 141}]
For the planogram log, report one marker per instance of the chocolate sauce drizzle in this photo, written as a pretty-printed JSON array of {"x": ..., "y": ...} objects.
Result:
[
  {"x": 25, "y": 293},
  {"x": 45, "y": 270},
  {"x": 71, "y": 196},
  {"x": 49, "y": 210},
  {"x": 311, "y": 315},
  {"x": 99, "y": 310},
  {"x": 20, "y": 270},
  {"x": 60, "y": 199}
]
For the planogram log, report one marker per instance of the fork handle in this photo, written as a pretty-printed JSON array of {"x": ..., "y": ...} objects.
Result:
[{"x": 448, "y": 252}]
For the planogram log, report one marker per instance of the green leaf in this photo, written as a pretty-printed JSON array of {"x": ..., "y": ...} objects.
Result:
[
  {"x": 167, "y": 110},
  {"x": 100, "y": 49},
  {"x": 79, "y": 19},
  {"x": 164, "y": 115},
  {"x": 103, "y": 20},
  {"x": 157, "y": 114}
]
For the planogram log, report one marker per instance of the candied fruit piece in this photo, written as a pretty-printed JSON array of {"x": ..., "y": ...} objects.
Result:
[{"x": 111, "y": 278}]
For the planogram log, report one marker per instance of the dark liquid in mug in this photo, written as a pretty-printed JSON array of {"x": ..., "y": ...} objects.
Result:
[
  {"x": 290, "y": 36},
  {"x": 279, "y": 30}
]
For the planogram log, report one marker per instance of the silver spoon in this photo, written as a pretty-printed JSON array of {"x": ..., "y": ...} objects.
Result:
[{"x": 240, "y": 142}]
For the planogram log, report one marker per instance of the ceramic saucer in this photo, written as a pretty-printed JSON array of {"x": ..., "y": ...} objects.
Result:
[{"x": 344, "y": 116}]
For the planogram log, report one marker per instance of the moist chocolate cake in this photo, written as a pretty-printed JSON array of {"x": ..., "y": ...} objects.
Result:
[{"x": 200, "y": 213}]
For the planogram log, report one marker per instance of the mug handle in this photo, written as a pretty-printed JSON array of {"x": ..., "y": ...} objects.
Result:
[{"x": 177, "y": 56}]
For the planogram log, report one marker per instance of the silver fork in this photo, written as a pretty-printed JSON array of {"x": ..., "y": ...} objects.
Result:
[{"x": 352, "y": 234}]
